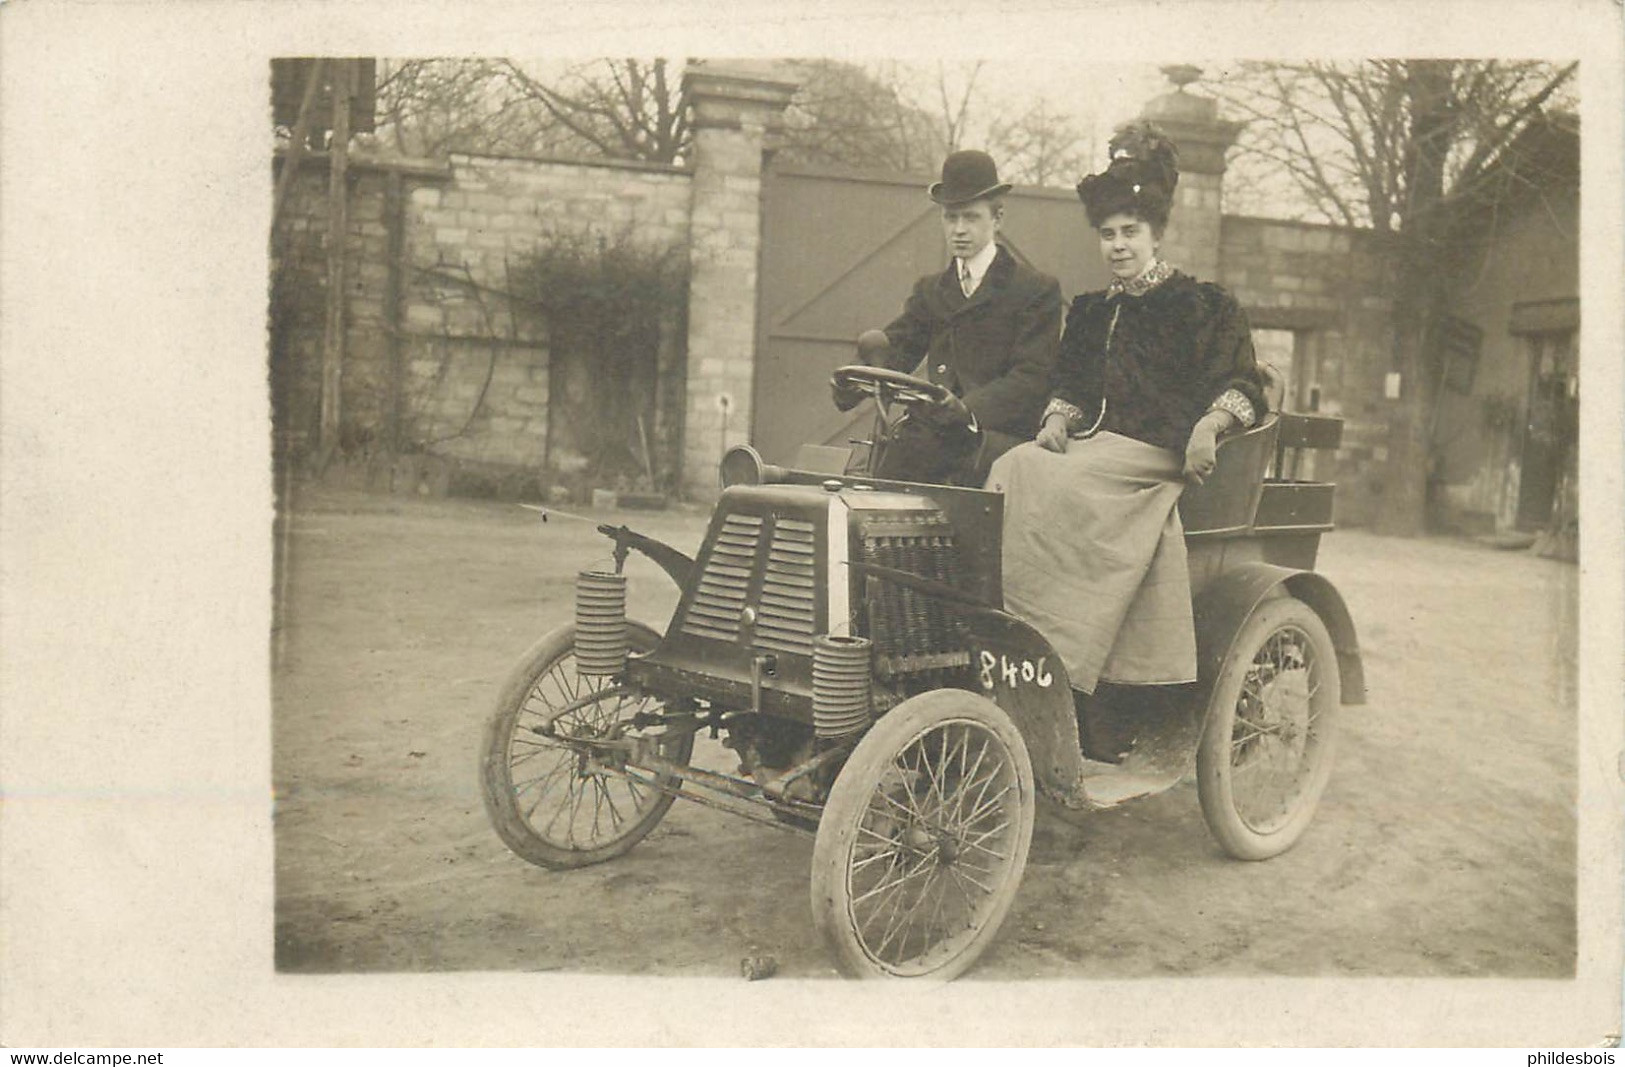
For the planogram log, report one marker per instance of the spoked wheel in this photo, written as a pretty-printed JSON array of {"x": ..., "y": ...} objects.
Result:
[
  {"x": 924, "y": 839},
  {"x": 1266, "y": 749},
  {"x": 549, "y": 800}
]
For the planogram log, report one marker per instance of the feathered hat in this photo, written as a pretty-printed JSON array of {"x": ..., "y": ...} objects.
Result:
[{"x": 1140, "y": 178}]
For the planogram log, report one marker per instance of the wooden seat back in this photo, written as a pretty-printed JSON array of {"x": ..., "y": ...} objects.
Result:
[{"x": 1227, "y": 500}]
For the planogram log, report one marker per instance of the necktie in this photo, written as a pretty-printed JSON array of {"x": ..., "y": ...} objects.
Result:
[{"x": 965, "y": 285}]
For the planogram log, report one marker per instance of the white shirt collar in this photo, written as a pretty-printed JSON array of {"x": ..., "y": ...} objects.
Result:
[{"x": 978, "y": 264}]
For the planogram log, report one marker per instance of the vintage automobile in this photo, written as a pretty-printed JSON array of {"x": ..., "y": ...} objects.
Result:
[{"x": 846, "y": 638}]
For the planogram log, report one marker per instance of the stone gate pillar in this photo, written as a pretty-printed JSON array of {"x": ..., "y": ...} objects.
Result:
[
  {"x": 732, "y": 106},
  {"x": 1192, "y": 122}
]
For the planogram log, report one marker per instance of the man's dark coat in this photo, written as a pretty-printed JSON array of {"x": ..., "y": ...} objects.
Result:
[{"x": 995, "y": 349}]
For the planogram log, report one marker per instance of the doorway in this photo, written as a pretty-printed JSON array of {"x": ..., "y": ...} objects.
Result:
[{"x": 1551, "y": 431}]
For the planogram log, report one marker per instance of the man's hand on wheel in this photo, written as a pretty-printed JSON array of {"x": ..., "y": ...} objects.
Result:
[
  {"x": 946, "y": 413},
  {"x": 845, "y": 397}
]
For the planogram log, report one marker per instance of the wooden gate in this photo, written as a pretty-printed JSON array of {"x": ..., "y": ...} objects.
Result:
[{"x": 840, "y": 253}]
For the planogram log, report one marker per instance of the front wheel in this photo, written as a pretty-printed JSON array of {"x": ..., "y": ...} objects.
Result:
[
  {"x": 1266, "y": 749},
  {"x": 551, "y": 802},
  {"x": 923, "y": 842}
]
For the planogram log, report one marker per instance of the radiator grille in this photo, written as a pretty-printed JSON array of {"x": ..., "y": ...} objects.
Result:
[
  {"x": 785, "y": 605},
  {"x": 913, "y": 633},
  {"x": 786, "y": 611},
  {"x": 719, "y": 599}
]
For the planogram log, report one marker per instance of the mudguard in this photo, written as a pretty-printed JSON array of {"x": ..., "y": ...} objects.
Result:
[
  {"x": 1165, "y": 749},
  {"x": 1225, "y": 605},
  {"x": 1015, "y": 667}
]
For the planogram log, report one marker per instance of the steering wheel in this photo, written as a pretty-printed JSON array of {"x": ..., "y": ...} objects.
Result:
[
  {"x": 887, "y": 387},
  {"x": 890, "y": 386}
]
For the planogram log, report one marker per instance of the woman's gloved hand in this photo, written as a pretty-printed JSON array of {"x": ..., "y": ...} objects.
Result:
[
  {"x": 1201, "y": 451},
  {"x": 1053, "y": 436}
]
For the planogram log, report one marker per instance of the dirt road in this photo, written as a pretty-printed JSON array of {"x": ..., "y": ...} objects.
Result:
[{"x": 1445, "y": 844}]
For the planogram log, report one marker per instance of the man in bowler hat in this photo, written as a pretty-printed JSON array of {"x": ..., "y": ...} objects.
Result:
[{"x": 988, "y": 329}]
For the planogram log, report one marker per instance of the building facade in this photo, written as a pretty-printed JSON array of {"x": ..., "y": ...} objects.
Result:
[{"x": 1507, "y": 429}]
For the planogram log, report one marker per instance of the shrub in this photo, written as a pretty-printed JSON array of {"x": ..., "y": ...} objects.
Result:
[{"x": 608, "y": 300}]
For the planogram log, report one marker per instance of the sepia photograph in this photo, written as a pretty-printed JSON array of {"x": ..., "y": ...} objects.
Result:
[
  {"x": 970, "y": 650},
  {"x": 1049, "y": 534}
]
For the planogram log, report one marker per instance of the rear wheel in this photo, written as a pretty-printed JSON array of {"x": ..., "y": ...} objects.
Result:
[
  {"x": 550, "y": 801},
  {"x": 924, "y": 839},
  {"x": 1266, "y": 750}
]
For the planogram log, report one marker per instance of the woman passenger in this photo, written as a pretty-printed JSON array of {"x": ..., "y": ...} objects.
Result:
[{"x": 1152, "y": 370}]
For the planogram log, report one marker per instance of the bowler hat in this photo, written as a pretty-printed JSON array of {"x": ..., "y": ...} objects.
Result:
[{"x": 967, "y": 175}]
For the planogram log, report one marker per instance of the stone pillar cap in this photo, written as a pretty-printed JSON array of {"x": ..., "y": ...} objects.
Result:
[
  {"x": 1180, "y": 106},
  {"x": 743, "y": 79},
  {"x": 1192, "y": 122}
]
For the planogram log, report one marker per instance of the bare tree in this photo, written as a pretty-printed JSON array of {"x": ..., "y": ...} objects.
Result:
[
  {"x": 1041, "y": 146},
  {"x": 624, "y": 109},
  {"x": 1340, "y": 132},
  {"x": 881, "y": 116},
  {"x": 1408, "y": 148},
  {"x": 428, "y": 107},
  {"x": 956, "y": 87},
  {"x": 619, "y": 108},
  {"x": 849, "y": 116}
]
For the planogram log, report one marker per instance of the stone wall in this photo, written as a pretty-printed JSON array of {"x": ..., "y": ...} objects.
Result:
[
  {"x": 299, "y": 296},
  {"x": 464, "y": 238},
  {"x": 1324, "y": 284},
  {"x": 475, "y": 366}
]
